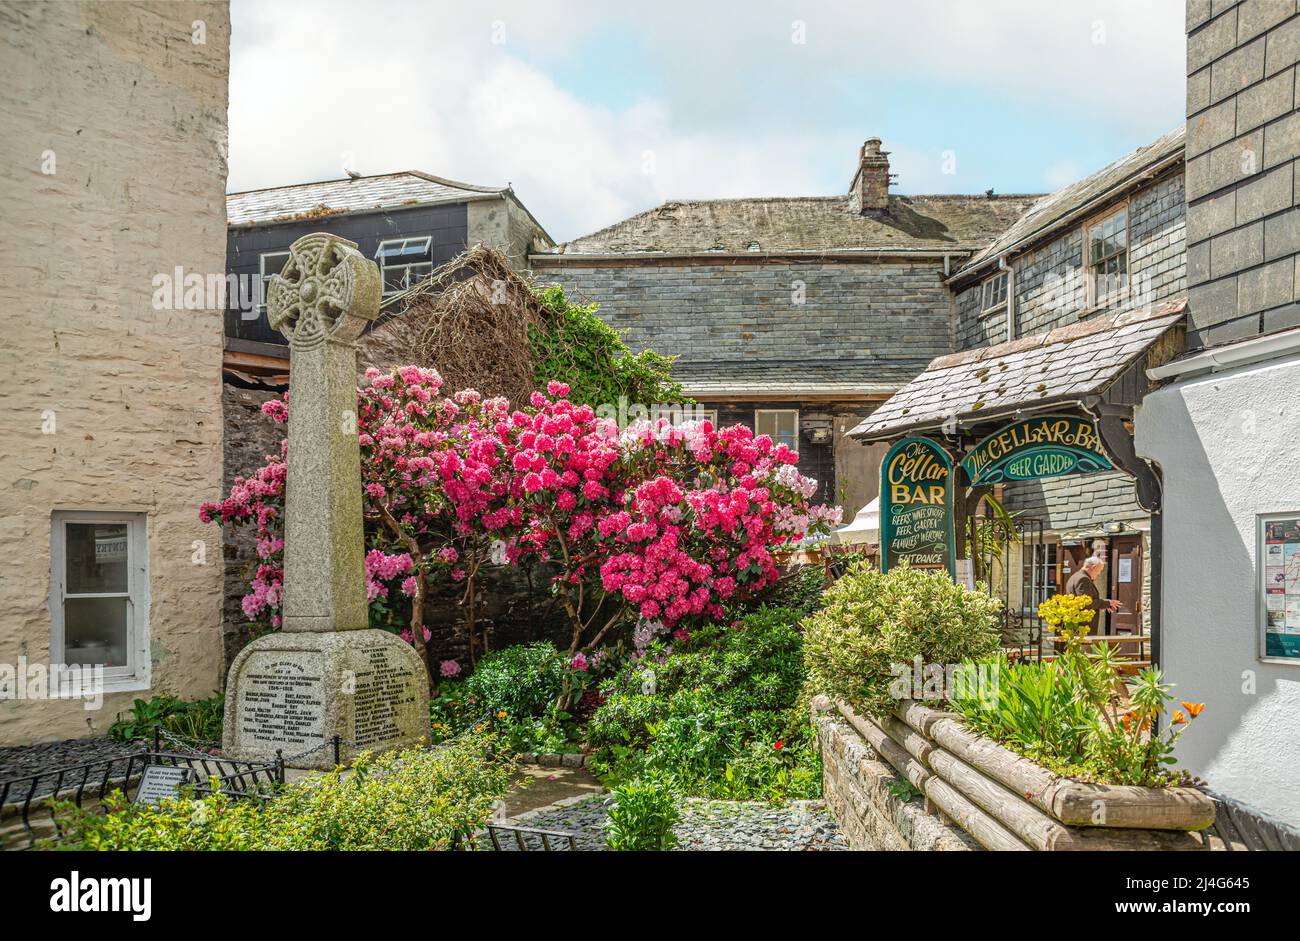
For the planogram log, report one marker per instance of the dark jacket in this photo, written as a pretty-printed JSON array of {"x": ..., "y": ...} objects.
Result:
[{"x": 1080, "y": 584}]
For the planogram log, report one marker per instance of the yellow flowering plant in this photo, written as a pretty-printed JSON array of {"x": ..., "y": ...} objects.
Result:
[{"x": 1069, "y": 616}]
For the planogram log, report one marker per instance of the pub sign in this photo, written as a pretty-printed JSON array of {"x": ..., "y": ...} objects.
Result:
[
  {"x": 916, "y": 506},
  {"x": 1036, "y": 448}
]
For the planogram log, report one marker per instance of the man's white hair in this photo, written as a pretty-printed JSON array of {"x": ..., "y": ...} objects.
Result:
[{"x": 1094, "y": 560}]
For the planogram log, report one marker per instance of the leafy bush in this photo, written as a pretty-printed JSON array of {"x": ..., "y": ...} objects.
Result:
[
  {"x": 798, "y": 591},
  {"x": 641, "y": 816},
  {"x": 581, "y": 349},
  {"x": 520, "y": 681},
  {"x": 754, "y": 665},
  {"x": 1070, "y": 716},
  {"x": 198, "y": 719},
  {"x": 871, "y": 621},
  {"x": 718, "y": 719},
  {"x": 417, "y": 799}
]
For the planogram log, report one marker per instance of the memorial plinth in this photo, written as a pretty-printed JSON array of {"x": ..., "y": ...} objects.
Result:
[{"x": 326, "y": 674}]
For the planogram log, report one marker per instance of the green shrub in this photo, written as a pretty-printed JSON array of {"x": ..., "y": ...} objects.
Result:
[
  {"x": 198, "y": 719},
  {"x": 870, "y": 622},
  {"x": 417, "y": 799},
  {"x": 718, "y": 717},
  {"x": 641, "y": 816},
  {"x": 520, "y": 681},
  {"x": 799, "y": 591},
  {"x": 580, "y": 349}
]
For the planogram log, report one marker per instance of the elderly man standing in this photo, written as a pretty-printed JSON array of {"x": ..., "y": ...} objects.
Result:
[{"x": 1083, "y": 582}]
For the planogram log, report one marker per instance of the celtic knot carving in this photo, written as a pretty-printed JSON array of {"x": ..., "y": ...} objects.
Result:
[{"x": 327, "y": 289}]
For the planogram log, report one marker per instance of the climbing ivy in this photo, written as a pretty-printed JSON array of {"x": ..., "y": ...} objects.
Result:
[{"x": 579, "y": 348}]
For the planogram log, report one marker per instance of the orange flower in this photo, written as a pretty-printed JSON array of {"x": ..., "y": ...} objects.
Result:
[
  {"x": 1194, "y": 708},
  {"x": 1179, "y": 718},
  {"x": 501, "y": 715}
]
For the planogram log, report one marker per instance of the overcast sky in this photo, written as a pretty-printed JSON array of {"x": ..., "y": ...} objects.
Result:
[{"x": 595, "y": 111}]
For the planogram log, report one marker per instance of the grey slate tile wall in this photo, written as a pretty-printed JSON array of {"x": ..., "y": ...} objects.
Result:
[
  {"x": 1243, "y": 139},
  {"x": 1049, "y": 293},
  {"x": 747, "y": 312},
  {"x": 1049, "y": 289}
]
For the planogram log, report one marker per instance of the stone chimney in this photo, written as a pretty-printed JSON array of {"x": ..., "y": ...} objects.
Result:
[{"x": 870, "y": 189}]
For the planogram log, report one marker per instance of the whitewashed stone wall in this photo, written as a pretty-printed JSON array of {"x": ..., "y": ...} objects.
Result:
[{"x": 133, "y": 113}]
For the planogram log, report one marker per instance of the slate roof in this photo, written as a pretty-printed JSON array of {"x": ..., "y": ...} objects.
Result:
[
  {"x": 1078, "y": 199},
  {"x": 749, "y": 380},
  {"x": 1026, "y": 375},
  {"x": 337, "y": 197},
  {"x": 805, "y": 225}
]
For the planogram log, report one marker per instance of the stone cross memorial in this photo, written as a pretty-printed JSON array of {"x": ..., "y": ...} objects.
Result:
[{"x": 326, "y": 673}]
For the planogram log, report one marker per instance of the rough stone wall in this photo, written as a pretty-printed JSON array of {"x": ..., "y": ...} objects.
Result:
[
  {"x": 1243, "y": 140},
  {"x": 504, "y": 225},
  {"x": 856, "y": 784},
  {"x": 732, "y": 314},
  {"x": 249, "y": 437},
  {"x": 133, "y": 113}
]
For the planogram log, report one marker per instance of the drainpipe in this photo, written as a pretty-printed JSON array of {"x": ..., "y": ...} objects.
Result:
[{"x": 1157, "y": 571}]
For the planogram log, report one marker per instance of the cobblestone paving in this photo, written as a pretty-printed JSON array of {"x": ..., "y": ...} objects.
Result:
[{"x": 706, "y": 825}]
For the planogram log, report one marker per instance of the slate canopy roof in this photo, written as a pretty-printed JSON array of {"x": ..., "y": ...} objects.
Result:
[{"x": 1033, "y": 374}]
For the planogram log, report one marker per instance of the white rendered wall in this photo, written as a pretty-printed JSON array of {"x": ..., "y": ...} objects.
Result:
[{"x": 1229, "y": 447}]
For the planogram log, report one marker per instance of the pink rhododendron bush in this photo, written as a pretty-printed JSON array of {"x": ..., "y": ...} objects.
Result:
[{"x": 663, "y": 523}]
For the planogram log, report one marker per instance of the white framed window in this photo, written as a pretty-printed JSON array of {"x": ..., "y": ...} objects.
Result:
[
  {"x": 404, "y": 262},
  {"x": 99, "y": 594},
  {"x": 993, "y": 292},
  {"x": 1105, "y": 254},
  {"x": 269, "y": 263},
  {"x": 705, "y": 414},
  {"x": 779, "y": 424}
]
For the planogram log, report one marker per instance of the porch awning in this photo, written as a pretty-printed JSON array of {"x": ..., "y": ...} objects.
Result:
[{"x": 1030, "y": 375}]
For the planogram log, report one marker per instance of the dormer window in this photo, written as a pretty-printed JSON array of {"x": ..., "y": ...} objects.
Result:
[
  {"x": 404, "y": 262},
  {"x": 994, "y": 296}
]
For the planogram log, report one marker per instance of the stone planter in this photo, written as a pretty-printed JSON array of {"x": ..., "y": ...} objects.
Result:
[{"x": 1007, "y": 802}]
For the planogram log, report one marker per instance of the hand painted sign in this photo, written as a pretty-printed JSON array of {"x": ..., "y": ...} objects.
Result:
[
  {"x": 1046, "y": 446},
  {"x": 916, "y": 495}
]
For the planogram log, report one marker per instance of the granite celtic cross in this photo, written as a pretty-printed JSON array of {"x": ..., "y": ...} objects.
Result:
[{"x": 321, "y": 302}]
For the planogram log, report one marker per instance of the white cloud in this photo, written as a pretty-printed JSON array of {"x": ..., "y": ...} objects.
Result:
[{"x": 739, "y": 109}]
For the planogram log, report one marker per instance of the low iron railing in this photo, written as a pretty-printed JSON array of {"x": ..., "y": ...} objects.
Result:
[{"x": 26, "y": 803}]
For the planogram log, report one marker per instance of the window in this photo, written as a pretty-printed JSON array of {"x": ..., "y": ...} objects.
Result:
[
  {"x": 705, "y": 414},
  {"x": 779, "y": 424},
  {"x": 995, "y": 292},
  {"x": 404, "y": 262},
  {"x": 270, "y": 263},
  {"x": 99, "y": 595},
  {"x": 1105, "y": 245},
  {"x": 1038, "y": 572}
]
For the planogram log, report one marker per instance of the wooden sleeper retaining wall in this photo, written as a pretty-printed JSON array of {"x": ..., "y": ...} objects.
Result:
[{"x": 1007, "y": 802}]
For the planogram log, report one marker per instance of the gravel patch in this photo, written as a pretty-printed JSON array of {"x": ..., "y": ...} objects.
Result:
[
  {"x": 705, "y": 825},
  {"x": 18, "y": 761}
]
